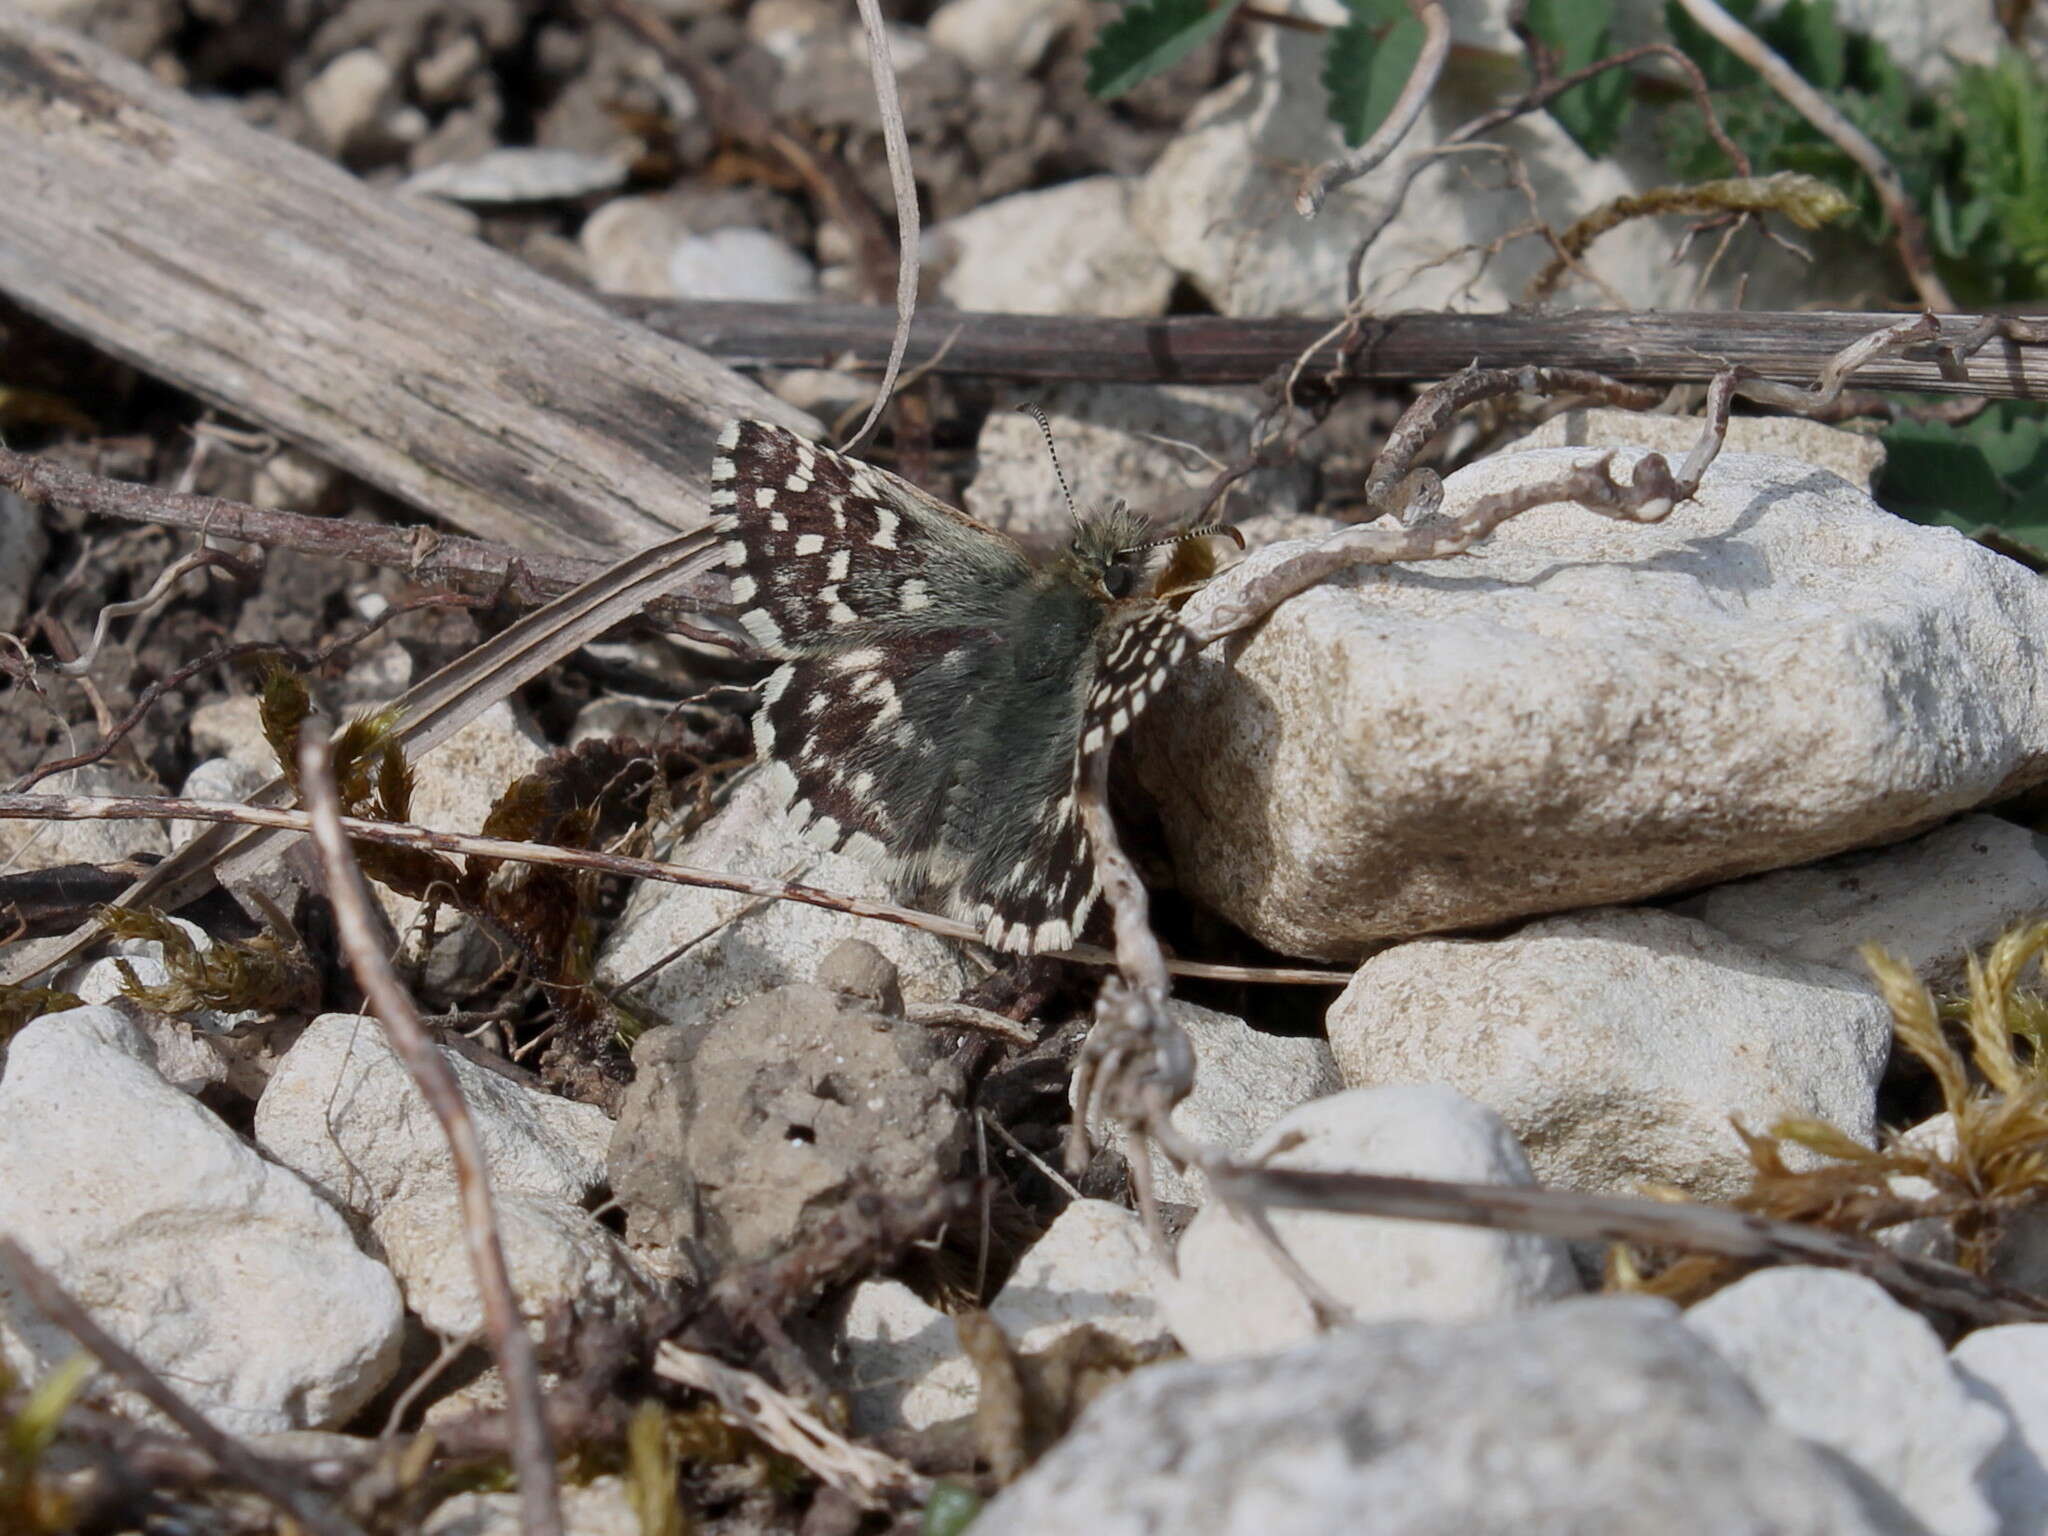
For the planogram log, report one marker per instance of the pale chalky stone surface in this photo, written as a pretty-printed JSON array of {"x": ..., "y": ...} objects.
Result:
[
  {"x": 1932, "y": 901},
  {"x": 2007, "y": 1370},
  {"x": 1245, "y": 1081},
  {"x": 1094, "y": 1266},
  {"x": 1595, "y": 1417},
  {"x": 1231, "y": 1298},
  {"x": 1581, "y": 711},
  {"x": 224, "y": 1272},
  {"x": 1836, "y": 1361},
  {"x": 1066, "y": 250},
  {"x": 343, "y": 1111},
  {"x": 720, "y": 948},
  {"x": 1617, "y": 1044}
]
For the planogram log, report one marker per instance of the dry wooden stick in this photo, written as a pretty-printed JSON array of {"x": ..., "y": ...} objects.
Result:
[
  {"x": 1640, "y": 346},
  {"x": 19, "y": 807},
  {"x": 228, "y": 1454},
  {"x": 533, "y": 1451},
  {"x": 277, "y": 286}
]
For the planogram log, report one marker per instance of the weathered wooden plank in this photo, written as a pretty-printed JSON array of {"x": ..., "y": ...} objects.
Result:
[
  {"x": 1639, "y": 346},
  {"x": 280, "y": 288}
]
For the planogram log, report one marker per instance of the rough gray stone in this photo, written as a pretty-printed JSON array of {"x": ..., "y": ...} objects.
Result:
[
  {"x": 1932, "y": 901},
  {"x": 2006, "y": 1369},
  {"x": 1110, "y": 439},
  {"x": 1230, "y": 1298},
  {"x": 1600, "y": 1417},
  {"x": 1066, "y": 250},
  {"x": 1245, "y": 1080},
  {"x": 741, "y": 1129},
  {"x": 223, "y": 1271},
  {"x": 1617, "y": 1044},
  {"x": 1838, "y": 1362},
  {"x": 1580, "y": 711},
  {"x": 721, "y": 948},
  {"x": 343, "y": 1111}
]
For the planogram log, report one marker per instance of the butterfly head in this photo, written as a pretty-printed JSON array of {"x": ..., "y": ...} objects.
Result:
[{"x": 1108, "y": 551}]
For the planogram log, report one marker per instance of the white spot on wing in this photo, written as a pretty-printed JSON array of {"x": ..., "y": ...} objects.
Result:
[
  {"x": 764, "y": 496},
  {"x": 913, "y": 595},
  {"x": 729, "y": 439},
  {"x": 743, "y": 589},
  {"x": 810, "y": 543},
  {"x": 885, "y": 528},
  {"x": 841, "y": 560}
]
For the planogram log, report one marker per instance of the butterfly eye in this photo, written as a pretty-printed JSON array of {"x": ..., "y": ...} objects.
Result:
[{"x": 1117, "y": 580}]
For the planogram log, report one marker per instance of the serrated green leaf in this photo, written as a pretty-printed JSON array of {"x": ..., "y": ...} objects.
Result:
[
  {"x": 1149, "y": 38},
  {"x": 1577, "y": 32},
  {"x": 1368, "y": 61}
]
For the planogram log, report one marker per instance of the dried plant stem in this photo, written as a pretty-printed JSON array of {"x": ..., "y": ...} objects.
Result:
[
  {"x": 1626, "y": 1219},
  {"x": 533, "y": 1453},
  {"x": 1415, "y": 93},
  {"x": 233, "y": 1458},
  {"x": 15, "y": 807},
  {"x": 1846, "y": 136},
  {"x": 465, "y": 565},
  {"x": 869, "y": 1478},
  {"x": 897, "y": 144}
]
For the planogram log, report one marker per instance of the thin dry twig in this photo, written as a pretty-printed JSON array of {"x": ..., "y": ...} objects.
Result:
[
  {"x": 14, "y": 807},
  {"x": 275, "y": 1483},
  {"x": 533, "y": 1453},
  {"x": 1624, "y": 1219},
  {"x": 985, "y": 1021},
  {"x": 1415, "y": 93},
  {"x": 871, "y": 1479},
  {"x": 427, "y": 556},
  {"x": 1899, "y": 206}
]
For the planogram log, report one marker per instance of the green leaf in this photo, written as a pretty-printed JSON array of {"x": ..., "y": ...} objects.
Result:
[
  {"x": 1812, "y": 42},
  {"x": 1577, "y": 32},
  {"x": 1368, "y": 61},
  {"x": 1149, "y": 38},
  {"x": 1990, "y": 470}
]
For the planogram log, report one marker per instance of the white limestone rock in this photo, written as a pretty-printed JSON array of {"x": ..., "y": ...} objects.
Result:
[
  {"x": 1580, "y": 711},
  {"x": 1836, "y": 1361},
  {"x": 223, "y": 1271},
  {"x": 734, "y": 947},
  {"x": 1933, "y": 901},
  {"x": 737, "y": 263},
  {"x": 1594, "y": 1416},
  {"x": 1617, "y": 1044},
  {"x": 1856, "y": 456},
  {"x": 1220, "y": 207},
  {"x": 1093, "y": 1266},
  {"x": 454, "y": 788},
  {"x": 1231, "y": 1298},
  {"x": 1245, "y": 1079},
  {"x": 1000, "y": 36},
  {"x": 1067, "y": 250},
  {"x": 49, "y": 844},
  {"x": 342, "y": 1111},
  {"x": 1120, "y": 440},
  {"x": 601, "y": 1507},
  {"x": 2006, "y": 1369},
  {"x": 558, "y": 1255}
]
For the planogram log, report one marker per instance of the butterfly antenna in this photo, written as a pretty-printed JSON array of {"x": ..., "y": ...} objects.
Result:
[{"x": 1052, "y": 452}]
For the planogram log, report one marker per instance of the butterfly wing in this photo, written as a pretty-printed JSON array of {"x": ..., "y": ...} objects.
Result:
[
  {"x": 938, "y": 695},
  {"x": 828, "y": 554}
]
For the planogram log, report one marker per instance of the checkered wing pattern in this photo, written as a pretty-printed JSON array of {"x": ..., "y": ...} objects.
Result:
[{"x": 940, "y": 695}]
